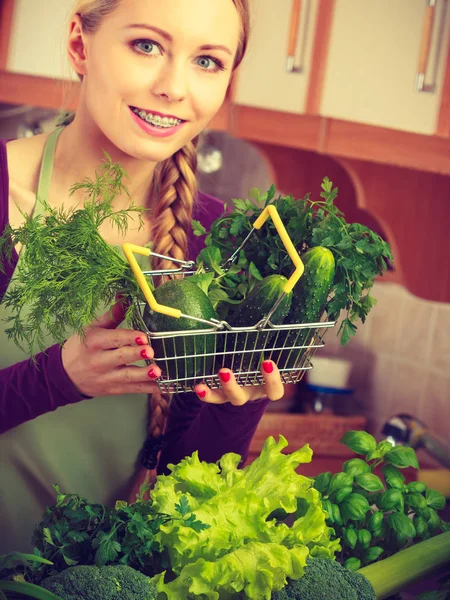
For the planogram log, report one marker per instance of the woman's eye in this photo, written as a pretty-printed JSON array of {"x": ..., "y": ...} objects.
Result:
[
  {"x": 146, "y": 47},
  {"x": 208, "y": 63}
]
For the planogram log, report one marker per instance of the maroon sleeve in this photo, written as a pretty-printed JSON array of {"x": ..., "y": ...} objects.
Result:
[
  {"x": 29, "y": 389},
  {"x": 211, "y": 429}
]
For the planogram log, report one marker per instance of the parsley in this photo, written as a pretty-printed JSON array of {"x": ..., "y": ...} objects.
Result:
[{"x": 76, "y": 532}]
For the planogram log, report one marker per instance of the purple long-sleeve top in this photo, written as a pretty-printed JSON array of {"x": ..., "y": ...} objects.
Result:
[{"x": 28, "y": 390}]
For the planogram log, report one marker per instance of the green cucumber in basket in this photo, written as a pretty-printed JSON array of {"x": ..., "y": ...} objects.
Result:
[
  {"x": 191, "y": 300},
  {"x": 309, "y": 300},
  {"x": 249, "y": 312}
]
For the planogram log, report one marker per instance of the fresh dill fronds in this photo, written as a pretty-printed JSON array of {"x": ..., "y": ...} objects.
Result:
[{"x": 67, "y": 273}]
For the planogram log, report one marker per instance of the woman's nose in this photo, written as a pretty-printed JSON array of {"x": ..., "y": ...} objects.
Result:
[{"x": 171, "y": 81}]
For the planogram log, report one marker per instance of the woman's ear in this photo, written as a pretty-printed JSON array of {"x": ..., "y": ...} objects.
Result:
[{"x": 76, "y": 46}]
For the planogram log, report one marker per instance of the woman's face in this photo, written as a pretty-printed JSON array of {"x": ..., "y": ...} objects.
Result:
[{"x": 157, "y": 71}]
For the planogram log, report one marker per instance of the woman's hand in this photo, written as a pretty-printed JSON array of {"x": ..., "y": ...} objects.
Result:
[
  {"x": 231, "y": 391},
  {"x": 101, "y": 364}
]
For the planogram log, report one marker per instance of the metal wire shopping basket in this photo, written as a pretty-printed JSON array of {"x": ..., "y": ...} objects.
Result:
[{"x": 218, "y": 344}]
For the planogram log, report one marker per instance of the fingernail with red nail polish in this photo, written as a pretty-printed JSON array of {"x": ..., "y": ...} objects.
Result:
[
  {"x": 224, "y": 376},
  {"x": 139, "y": 341},
  {"x": 144, "y": 353},
  {"x": 201, "y": 394},
  {"x": 267, "y": 366},
  {"x": 152, "y": 374}
]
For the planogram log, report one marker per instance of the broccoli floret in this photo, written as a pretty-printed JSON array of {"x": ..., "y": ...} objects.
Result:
[
  {"x": 326, "y": 579},
  {"x": 86, "y": 582}
]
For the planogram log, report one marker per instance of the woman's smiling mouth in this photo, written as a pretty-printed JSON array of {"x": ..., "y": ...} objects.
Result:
[{"x": 156, "y": 119}]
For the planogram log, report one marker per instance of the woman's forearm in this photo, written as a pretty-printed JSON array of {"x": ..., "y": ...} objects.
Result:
[{"x": 29, "y": 389}]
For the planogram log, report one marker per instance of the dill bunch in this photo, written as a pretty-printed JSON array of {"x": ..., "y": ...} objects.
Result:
[{"x": 67, "y": 273}]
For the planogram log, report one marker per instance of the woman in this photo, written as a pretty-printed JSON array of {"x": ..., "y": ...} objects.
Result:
[{"x": 153, "y": 74}]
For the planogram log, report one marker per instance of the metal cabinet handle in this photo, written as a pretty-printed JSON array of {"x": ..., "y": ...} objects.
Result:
[
  {"x": 291, "y": 67},
  {"x": 425, "y": 45}
]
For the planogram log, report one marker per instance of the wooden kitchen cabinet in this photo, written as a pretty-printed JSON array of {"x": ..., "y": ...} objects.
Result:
[
  {"x": 370, "y": 74},
  {"x": 37, "y": 39},
  {"x": 263, "y": 80}
]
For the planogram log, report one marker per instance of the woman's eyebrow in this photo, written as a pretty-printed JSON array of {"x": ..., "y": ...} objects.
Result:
[{"x": 168, "y": 37}]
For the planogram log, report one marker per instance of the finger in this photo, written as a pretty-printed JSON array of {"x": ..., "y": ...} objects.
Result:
[
  {"x": 114, "y": 316},
  {"x": 108, "y": 339},
  {"x": 208, "y": 395},
  {"x": 273, "y": 388},
  {"x": 132, "y": 374},
  {"x": 124, "y": 355},
  {"x": 233, "y": 392}
]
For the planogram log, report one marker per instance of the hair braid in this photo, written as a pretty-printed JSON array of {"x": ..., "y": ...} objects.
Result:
[{"x": 176, "y": 190}]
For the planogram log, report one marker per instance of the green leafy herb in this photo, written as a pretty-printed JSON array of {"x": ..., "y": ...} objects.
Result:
[
  {"x": 376, "y": 517},
  {"x": 360, "y": 253},
  {"x": 65, "y": 257},
  {"x": 76, "y": 532}
]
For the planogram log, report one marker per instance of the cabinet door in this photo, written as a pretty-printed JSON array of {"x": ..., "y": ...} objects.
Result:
[
  {"x": 263, "y": 80},
  {"x": 373, "y": 59},
  {"x": 38, "y": 38}
]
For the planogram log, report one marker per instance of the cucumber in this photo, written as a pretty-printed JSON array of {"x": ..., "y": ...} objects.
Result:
[
  {"x": 191, "y": 300},
  {"x": 249, "y": 312},
  {"x": 309, "y": 300}
]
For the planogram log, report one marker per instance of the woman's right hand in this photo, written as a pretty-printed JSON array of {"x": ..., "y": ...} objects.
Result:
[{"x": 101, "y": 363}]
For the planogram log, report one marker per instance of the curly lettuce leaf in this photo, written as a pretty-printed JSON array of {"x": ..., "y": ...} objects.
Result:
[
  {"x": 255, "y": 569},
  {"x": 239, "y": 506}
]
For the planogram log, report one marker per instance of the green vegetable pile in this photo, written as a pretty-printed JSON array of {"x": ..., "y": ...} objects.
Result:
[
  {"x": 378, "y": 516},
  {"x": 360, "y": 254},
  {"x": 217, "y": 532}
]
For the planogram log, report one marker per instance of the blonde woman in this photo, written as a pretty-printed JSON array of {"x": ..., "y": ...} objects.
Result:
[{"x": 153, "y": 74}]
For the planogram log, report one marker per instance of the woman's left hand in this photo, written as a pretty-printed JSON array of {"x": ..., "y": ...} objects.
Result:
[{"x": 232, "y": 392}]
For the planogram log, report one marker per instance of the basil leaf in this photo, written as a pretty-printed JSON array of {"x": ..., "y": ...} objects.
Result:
[
  {"x": 342, "y": 494},
  {"x": 375, "y": 520},
  {"x": 416, "y": 487},
  {"x": 402, "y": 456},
  {"x": 322, "y": 482},
  {"x": 356, "y": 466},
  {"x": 401, "y": 525},
  {"x": 371, "y": 554},
  {"x": 364, "y": 538},
  {"x": 369, "y": 482},
  {"x": 384, "y": 447},
  {"x": 355, "y": 507},
  {"x": 416, "y": 501},
  {"x": 352, "y": 563},
  {"x": 392, "y": 499},
  {"x": 340, "y": 480},
  {"x": 337, "y": 518},
  {"x": 350, "y": 536},
  {"x": 435, "y": 499},
  {"x": 389, "y": 471},
  {"x": 420, "y": 525},
  {"x": 360, "y": 442}
]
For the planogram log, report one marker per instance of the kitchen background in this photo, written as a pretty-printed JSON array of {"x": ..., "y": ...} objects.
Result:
[{"x": 367, "y": 103}]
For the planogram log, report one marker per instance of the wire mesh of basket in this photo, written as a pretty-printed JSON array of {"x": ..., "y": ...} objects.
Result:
[{"x": 193, "y": 356}]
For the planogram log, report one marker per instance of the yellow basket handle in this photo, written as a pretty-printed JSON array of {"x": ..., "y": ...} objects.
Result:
[
  {"x": 293, "y": 254},
  {"x": 130, "y": 250}
]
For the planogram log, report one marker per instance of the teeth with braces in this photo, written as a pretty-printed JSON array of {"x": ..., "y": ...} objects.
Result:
[{"x": 156, "y": 120}]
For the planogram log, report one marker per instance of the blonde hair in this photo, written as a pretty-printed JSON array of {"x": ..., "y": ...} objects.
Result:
[{"x": 175, "y": 188}]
